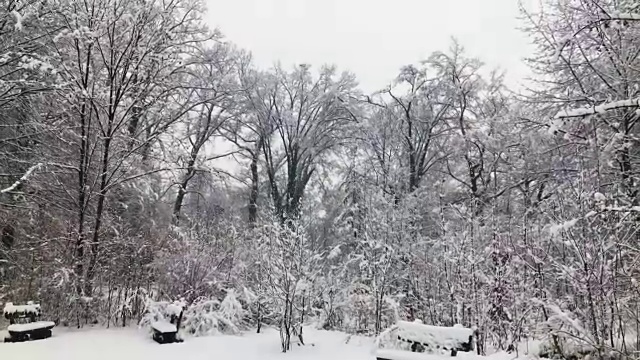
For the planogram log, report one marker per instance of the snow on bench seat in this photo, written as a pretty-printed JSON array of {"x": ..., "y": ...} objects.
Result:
[
  {"x": 164, "y": 327},
  {"x": 31, "y": 326},
  {"x": 434, "y": 336}
]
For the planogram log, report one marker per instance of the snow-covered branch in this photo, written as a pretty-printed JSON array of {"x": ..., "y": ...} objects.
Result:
[
  {"x": 24, "y": 178},
  {"x": 624, "y": 16},
  {"x": 622, "y": 208},
  {"x": 600, "y": 109}
]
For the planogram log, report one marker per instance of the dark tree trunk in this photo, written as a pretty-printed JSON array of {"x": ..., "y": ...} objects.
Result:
[
  {"x": 85, "y": 128},
  {"x": 182, "y": 191},
  {"x": 255, "y": 182},
  {"x": 102, "y": 195}
]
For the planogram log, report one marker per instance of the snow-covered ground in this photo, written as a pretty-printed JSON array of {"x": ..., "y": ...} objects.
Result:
[{"x": 134, "y": 344}]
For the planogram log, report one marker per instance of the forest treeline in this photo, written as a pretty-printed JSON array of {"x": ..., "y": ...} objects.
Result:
[{"x": 144, "y": 157}]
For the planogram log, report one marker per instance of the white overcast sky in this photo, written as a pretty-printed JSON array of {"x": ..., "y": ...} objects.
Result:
[{"x": 372, "y": 38}]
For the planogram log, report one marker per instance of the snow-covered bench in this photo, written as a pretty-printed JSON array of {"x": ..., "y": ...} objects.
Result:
[
  {"x": 165, "y": 332},
  {"x": 417, "y": 337},
  {"x": 23, "y": 323}
]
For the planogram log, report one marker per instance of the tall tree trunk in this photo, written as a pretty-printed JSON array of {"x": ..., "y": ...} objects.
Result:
[
  {"x": 255, "y": 182},
  {"x": 102, "y": 195},
  {"x": 182, "y": 191},
  {"x": 85, "y": 129}
]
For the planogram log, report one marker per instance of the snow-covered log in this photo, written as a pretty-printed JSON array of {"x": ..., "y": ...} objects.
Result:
[
  {"x": 435, "y": 336},
  {"x": 417, "y": 337}
]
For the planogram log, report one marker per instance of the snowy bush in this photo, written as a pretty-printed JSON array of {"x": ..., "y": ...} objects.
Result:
[
  {"x": 560, "y": 347},
  {"x": 388, "y": 339},
  {"x": 360, "y": 308},
  {"x": 231, "y": 310},
  {"x": 203, "y": 317},
  {"x": 210, "y": 317},
  {"x": 258, "y": 309},
  {"x": 160, "y": 311}
]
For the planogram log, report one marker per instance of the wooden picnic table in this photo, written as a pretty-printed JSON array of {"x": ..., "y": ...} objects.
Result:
[{"x": 24, "y": 324}]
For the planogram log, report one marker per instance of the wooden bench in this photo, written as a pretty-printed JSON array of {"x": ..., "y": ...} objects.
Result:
[
  {"x": 24, "y": 324},
  {"x": 166, "y": 332},
  {"x": 417, "y": 338}
]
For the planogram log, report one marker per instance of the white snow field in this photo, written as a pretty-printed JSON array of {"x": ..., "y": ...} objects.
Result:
[{"x": 136, "y": 344}]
